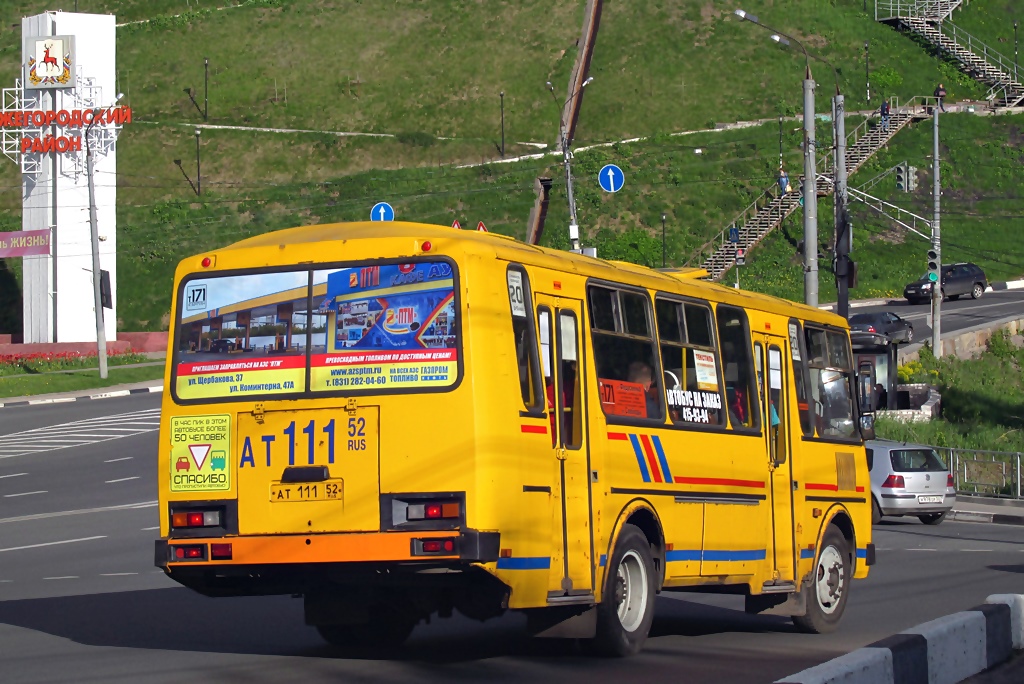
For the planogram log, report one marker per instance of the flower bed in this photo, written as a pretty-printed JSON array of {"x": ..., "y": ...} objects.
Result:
[{"x": 44, "y": 362}]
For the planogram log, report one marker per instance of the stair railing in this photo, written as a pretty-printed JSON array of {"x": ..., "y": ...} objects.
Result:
[
  {"x": 749, "y": 213},
  {"x": 917, "y": 9},
  {"x": 994, "y": 58}
]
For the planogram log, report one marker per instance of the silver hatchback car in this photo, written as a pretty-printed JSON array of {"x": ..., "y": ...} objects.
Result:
[{"x": 909, "y": 479}]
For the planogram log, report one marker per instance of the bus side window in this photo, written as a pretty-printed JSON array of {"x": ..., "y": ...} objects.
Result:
[
  {"x": 569, "y": 380},
  {"x": 740, "y": 393},
  {"x": 547, "y": 365},
  {"x": 690, "y": 362},
  {"x": 624, "y": 354},
  {"x": 830, "y": 386},
  {"x": 800, "y": 378},
  {"x": 525, "y": 339}
]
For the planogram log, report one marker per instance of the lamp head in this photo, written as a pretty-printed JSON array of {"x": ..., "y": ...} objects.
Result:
[
  {"x": 177, "y": 162},
  {"x": 198, "y": 131},
  {"x": 781, "y": 40},
  {"x": 550, "y": 87},
  {"x": 118, "y": 98},
  {"x": 590, "y": 79},
  {"x": 746, "y": 16}
]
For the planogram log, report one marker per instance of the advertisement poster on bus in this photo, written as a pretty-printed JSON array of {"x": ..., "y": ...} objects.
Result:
[
  {"x": 242, "y": 335},
  {"x": 391, "y": 326}
]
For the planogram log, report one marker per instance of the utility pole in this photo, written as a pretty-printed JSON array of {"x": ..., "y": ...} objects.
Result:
[
  {"x": 936, "y": 241},
  {"x": 867, "y": 70},
  {"x": 843, "y": 236},
  {"x": 663, "y": 217},
  {"x": 574, "y": 226},
  {"x": 206, "y": 89},
  {"x": 810, "y": 197},
  {"x": 199, "y": 173}
]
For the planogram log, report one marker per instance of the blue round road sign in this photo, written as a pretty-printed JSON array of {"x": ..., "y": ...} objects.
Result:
[
  {"x": 382, "y": 211},
  {"x": 611, "y": 178}
]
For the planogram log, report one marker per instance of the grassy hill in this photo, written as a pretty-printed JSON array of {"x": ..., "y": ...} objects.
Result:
[{"x": 430, "y": 73}]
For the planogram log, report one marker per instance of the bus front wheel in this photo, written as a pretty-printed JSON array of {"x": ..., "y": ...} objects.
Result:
[
  {"x": 625, "y": 614},
  {"x": 830, "y": 585}
]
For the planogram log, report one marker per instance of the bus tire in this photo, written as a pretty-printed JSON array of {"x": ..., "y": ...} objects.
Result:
[
  {"x": 830, "y": 585},
  {"x": 624, "y": 616},
  {"x": 386, "y": 629}
]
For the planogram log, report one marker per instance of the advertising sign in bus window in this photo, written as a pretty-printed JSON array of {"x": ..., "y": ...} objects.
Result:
[
  {"x": 388, "y": 327},
  {"x": 242, "y": 335}
]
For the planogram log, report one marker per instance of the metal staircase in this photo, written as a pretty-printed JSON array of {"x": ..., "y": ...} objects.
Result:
[
  {"x": 976, "y": 59},
  {"x": 772, "y": 207}
]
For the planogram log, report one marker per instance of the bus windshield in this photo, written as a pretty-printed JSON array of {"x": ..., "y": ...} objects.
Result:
[{"x": 308, "y": 331}]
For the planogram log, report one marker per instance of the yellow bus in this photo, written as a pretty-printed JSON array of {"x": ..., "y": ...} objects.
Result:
[{"x": 394, "y": 420}]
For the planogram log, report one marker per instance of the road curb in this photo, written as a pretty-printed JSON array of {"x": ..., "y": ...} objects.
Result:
[
  {"x": 976, "y": 516},
  {"x": 99, "y": 395},
  {"x": 857, "y": 303},
  {"x": 943, "y": 651}
]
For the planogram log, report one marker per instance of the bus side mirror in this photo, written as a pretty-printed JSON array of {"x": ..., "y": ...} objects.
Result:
[{"x": 866, "y": 397}]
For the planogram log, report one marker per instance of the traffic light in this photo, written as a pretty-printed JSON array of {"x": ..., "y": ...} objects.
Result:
[
  {"x": 901, "y": 177},
  {"x": 740, "y": 256},
  {"x": 934, "y": 267},
  {"x": 911, "y": 178}
]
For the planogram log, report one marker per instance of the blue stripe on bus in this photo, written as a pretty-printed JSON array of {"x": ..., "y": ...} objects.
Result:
[
  {"x": 711, "y": 555},
  {"x": 661, "y": 458},
  {"x": 604, "y": 559},
  {"x": 641, "y": 461},
  {"x": 806, "y": 553},
  {"x": 525, "y": 563},
  {"x": 862, "y": 553}
]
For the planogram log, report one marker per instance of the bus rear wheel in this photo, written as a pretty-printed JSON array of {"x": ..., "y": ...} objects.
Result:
[
  {"x": 625, "y": 614},
  {"x": 830, "y": 585}
]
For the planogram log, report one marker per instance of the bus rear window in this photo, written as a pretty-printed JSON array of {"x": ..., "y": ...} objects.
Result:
[{"x": 373, "y": 328}]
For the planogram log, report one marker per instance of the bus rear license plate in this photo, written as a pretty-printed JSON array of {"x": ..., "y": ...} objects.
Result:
[
  {"x": 929, "y": 499},
  {"x": 329, "y": 490}
]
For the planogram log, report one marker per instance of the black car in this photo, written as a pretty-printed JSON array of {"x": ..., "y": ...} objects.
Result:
[
  {"x": 221, "y": 346},
  {"x": 957, "y": 279},
  {"x": 883, "y": 323}
]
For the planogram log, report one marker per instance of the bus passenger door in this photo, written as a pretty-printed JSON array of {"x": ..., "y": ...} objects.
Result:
[
  {"x": 770, "y": 354},
  {"x": 563, "y": 363}
]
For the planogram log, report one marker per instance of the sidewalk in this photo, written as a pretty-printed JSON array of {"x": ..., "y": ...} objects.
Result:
[
  {"x": 147, "y": 387},
  {"x": 988, "y": 510}
]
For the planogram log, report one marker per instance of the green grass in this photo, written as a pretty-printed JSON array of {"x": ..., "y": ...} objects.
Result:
[
  {"x": 982, "y": 401},
  {"x": 68, "y": 382},
  {"x": 431, "y": 70}
]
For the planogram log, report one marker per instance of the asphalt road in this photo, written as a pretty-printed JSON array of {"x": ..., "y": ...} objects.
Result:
[
  {"x": 959, "y": 315},
  {"x": 81, "y": 601}
]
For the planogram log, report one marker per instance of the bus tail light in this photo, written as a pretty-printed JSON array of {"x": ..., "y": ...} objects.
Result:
[
  {"x": 435, "y": 510},
  {"x": 220, "y": 551},
  {"x": 195, "y": 519},
  {"x": 189, "y": 552},
  {"x": 434, "y": 547},
  {"x": 894, "y": 481}
]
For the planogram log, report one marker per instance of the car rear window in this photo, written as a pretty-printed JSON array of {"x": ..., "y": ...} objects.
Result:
[{"x": 916, "y": 461}]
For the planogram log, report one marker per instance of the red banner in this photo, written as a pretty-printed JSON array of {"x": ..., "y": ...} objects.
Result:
[{"x": 24, "y": 243}]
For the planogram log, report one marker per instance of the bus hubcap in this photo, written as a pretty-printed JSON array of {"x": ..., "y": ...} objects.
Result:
[
  {"x": 829, "y": 581},
  {"x": 631, "y": 591}
]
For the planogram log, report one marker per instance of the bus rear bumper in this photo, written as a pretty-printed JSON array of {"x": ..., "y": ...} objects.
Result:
[{"x": 459, "y": 546}]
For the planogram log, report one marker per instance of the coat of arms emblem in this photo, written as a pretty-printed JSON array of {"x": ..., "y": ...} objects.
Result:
[{"x": 50, "y": 63}]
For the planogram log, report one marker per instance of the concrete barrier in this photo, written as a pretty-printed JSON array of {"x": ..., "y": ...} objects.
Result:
[{"x": 943, "y": 651}]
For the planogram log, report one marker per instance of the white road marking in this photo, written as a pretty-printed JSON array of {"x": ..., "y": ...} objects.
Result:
[
  {"x": 920, "y": 549},
  {"x": 14, "y": 475},
  {"x": 11, "y": 496},
  {"x": 38, "y": 546},
  {"x": 977, "y": 550},
  {"x": 123, "y": 479},
  {"x": 117, "y": 574},
  {"x": 64, "y": 577},
  {"x": 123, "y": 458},
  {"x": 80, "y": 511},
  {"x": 150, "y": 529},
  {"x": 77, "y": 433}
]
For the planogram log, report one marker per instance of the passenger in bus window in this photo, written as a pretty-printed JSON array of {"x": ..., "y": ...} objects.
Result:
[{"x": 640, "y": 373}]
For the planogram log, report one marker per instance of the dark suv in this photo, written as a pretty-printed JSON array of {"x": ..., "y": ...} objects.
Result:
[{"x": 957, "y": 279}]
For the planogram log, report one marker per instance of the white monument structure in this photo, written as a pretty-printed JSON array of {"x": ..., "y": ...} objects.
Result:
[{"x": 66, "y": 89}]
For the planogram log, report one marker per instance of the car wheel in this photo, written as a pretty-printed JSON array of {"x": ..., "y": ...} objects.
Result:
[
  {"x": 876, "y": 512},
  {"x": 830, "y": 585},
  {"x": 977, "y": 291},
  {"x": 625, "y": 614},
  {"x": 910, "y": 335},
  {"x": 932, "y": 518}
]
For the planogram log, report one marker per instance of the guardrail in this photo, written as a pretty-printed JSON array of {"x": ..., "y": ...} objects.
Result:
[
  {"x": 992, "y": 473},
  {"x": 993, "y": 57}
]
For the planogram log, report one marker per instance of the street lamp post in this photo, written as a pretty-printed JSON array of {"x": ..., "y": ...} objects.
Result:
[
  {"x": 90, "y": 162},
  {"x": 1016, "y": 63},
  {"x": 867, "y": 70},
  {"x": 502, "y": 96},
  {"x": 199, "y": 174},
  {"x": 663, "y": 217},
  {"x": 574, "y": 227}
]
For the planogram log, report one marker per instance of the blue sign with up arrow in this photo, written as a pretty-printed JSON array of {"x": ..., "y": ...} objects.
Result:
[
  {"x": 734, "y": 235},
  {"x": 382, "y": 211},
  {"x": 611, "y": 178}
]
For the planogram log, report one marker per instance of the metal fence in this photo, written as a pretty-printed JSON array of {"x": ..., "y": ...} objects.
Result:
[{"x": 989, "y": 473}]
